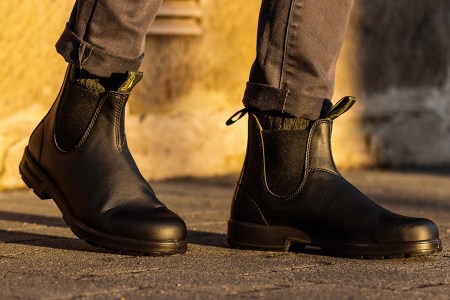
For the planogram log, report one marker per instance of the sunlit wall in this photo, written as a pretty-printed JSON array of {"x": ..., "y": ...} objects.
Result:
[{"x": 395, "y": 60}]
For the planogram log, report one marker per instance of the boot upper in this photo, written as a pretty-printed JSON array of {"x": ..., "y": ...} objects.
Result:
[
  {"x": 98, "y": 178},
  {"x": 319, "y": 201}
]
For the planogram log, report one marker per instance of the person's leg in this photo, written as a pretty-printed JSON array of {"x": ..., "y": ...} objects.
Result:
[
  {"x": 105, "y": 37},
  {"x": 297, "y": 49},
  {"x": 78, "y": 154},
  {"x": 289, "y": 188}
]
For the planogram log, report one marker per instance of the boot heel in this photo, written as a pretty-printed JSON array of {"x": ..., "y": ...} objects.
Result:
[
  {"x": 264, "y": 237},
  {"x": 33, "y": 177}
]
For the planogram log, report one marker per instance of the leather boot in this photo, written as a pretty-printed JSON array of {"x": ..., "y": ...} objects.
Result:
[
  {"x": 276, "y": 203},
  {"x": 93, "y": 178}
]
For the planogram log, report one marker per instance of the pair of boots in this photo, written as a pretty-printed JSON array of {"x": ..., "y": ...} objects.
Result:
[{"x": 289, "y": 189}]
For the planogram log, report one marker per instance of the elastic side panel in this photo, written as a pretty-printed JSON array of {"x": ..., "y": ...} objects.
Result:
[
  {"x": 284, "y": 152},
  {"x": 75, "y": 112}
]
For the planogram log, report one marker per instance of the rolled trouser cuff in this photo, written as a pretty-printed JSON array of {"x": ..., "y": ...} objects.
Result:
[
  {"x": 91, "y": 58},
  {"x": 268, "y": 98}
]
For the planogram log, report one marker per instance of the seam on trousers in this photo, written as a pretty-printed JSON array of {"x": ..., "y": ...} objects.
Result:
[
  {"x": 291, "y": 8},
  {"x": 89, "y": 21},
  {"x": 81, "y": 53},
  {"x": 283, "y": 110}
]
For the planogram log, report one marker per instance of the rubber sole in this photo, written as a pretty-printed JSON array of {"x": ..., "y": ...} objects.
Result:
[
  {"x": 44, "y": 188},
  {"x": 282, "y": 238}
]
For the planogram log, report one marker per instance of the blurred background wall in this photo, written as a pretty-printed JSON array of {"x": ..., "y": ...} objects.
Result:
[{"x": 396, "y": 60}]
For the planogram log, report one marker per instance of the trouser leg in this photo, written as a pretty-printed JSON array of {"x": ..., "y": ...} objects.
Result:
[
  {"x": 107, "y": 36},
  {"x": 298, "y": 45}
]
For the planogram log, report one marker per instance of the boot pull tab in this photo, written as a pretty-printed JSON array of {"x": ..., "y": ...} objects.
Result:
[
  {"x": 341, "y": 107},
  {"x": 233, "y": 118},
  {"x": 131, "y": 80}
]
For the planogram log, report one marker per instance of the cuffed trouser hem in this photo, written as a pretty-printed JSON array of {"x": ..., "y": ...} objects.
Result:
[
  {"x": 93, "y": 59},
  {"x": 265, "y": 97},
  {"x": 297, "y": 49}
]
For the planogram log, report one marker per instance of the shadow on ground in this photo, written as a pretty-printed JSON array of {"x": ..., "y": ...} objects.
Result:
[{"x": 13, "y": 236}]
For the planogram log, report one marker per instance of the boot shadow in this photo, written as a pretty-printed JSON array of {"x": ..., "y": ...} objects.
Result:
[
  {"x": 206, "y": 238},
  {"x": 47, "y": 241},
  {"x": 202, "y": 238},
  {"x": 32, "y": 219},
  {"x": 43, "y": 240}
]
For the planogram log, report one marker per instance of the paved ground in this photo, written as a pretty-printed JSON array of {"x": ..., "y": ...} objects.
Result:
[{"x": 41, "y": 258}]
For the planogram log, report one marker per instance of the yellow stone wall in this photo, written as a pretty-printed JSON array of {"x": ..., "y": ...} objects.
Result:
[
  {"x": 191, "y": 85},
  {"x": 30, "y": 74}
]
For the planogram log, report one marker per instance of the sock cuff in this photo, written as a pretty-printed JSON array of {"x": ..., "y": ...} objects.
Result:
[{"x": 271, "y": 120}]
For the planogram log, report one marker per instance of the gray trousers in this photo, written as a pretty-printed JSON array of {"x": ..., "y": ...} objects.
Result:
[{"x": 298, "y": 45}]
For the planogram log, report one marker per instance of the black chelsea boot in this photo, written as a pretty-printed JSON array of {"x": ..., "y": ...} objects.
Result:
[
  {"x": 289, "y": 190},
  {"x": 78, "y": 156}
]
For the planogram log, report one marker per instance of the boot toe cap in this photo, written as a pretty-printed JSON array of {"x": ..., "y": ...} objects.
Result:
[
  {"x": 151, "y": 224},
  {"x": 404, "y": 229}
]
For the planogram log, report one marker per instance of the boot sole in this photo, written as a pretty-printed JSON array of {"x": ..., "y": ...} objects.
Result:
[
  {"x": 44, "y": 188},
  {"x": 283, "y": 238}
]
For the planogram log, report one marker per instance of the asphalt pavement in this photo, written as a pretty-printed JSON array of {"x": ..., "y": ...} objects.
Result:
[{"x": 40, "y": 258}]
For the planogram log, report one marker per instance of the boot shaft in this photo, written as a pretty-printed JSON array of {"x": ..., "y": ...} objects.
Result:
[
  {"x": 278, "y": 162},
  {"x": 76, "y": 109}
]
